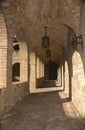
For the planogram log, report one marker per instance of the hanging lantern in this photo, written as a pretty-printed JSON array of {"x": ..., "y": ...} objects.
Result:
[
  {"x": 45, "y": 39},
  {"x": 48, "y": 53}
]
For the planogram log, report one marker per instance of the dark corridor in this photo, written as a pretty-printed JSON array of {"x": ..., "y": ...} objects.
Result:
[{"x": 51, "y": 71}]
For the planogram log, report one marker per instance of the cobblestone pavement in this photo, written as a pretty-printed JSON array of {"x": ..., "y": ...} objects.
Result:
[{"x": 42, "y": 111}]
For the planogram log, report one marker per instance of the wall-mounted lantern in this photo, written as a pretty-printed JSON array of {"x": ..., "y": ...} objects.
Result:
[
  {"x": 77, "y": 40},
  {"x": 45, "y": 39},
  {"x": 15, "y": 38},
  {"x": 73, "y": 41}
]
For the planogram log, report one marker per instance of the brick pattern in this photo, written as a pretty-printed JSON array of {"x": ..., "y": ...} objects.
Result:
[
  {"x": 23, "y": 62},
  {"x": 27, "y": 25},
  {"x": 3, "y": 52},
  {"x": 32, "y": 80}
]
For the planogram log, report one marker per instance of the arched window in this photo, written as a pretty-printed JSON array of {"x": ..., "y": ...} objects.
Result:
[
  {"x": 16, "y": 72},
  {"x": 16, "y": 47}
]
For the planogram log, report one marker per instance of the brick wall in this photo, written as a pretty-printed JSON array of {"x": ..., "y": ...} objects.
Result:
[
  {"x": 3, "y": 52},
  {"x": 20, "y": 19},
  {"x": 10, "y": 96}
]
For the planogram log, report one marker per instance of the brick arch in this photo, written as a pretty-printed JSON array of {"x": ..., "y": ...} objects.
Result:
[{"x": 3, "y": 52}]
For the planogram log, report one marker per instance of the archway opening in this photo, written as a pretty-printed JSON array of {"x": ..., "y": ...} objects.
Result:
[
  {"x": 16, "y": 72},
  {"x": 51, "y": 72}
]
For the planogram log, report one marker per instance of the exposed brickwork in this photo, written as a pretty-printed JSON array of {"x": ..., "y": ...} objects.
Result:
[
  {"x": 10, "y": 96},
  {"x": 32, "y": 71},
  {"x": 27, "y": 19}
]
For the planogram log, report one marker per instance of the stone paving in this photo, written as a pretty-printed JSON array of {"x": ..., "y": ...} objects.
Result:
[{"x": 43, "y": 111}]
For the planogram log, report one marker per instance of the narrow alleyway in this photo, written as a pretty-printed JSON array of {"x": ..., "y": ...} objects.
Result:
[{"x": 43, "y": 111}]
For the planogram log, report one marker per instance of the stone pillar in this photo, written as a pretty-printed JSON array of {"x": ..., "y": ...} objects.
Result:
[
  {"x": 42, "y": 69},
  {"x": 63, "y": 76},
  {"x": 46, "y": 71},
  {"x": 66, "y": 78},
  {"x": 32, "y": 71},
  {"x": 37, "y": 65},
  {"x": 3, "y": 53},
  {"x": 23, "y": 62},
  {"x": 59, "y": 75},
  {"x": 3, "y": 67}
]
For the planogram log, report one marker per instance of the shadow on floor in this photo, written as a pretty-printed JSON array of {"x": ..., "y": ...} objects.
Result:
[
  {"x": 50, "y": 84},
  {"x": 42, "y": 111}
]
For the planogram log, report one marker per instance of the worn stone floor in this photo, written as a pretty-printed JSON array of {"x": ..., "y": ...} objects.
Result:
[{"x": 43, "y": 111}]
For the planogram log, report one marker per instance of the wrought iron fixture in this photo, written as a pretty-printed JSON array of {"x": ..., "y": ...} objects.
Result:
[
  {"x": 45, "y": 39},
  {"x": 77, "y": 40},
  {"x": 48, "y": 53},
  {"x": 15, "y": 38}
]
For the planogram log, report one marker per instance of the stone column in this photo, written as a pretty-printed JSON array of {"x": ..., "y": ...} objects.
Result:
[
  {"x": 23, "y": 62},
  {"x": 3, "y": 53},
  {"x": 42, "y": 69},
  {"x": 63, "y": 76},
  {"x": 59, "y": 75},
  {"x": 3, "y": 67},
  {"x": 32, "y": 71},
  {"x": 37, "y": 65}
]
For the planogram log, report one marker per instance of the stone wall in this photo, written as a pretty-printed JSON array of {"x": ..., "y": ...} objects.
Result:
[
  {"x": 36, "y": 77},
  {"x": 19, "y": 17},
  {"x": 10, "y": 24},
  {"x": 40, "y": 82},
  {"x": 78, "y": 62},
  {"x": 59, "y": 78},
  {"x": 66, "y": 78},
  {"x": 10, "y": 96},
  {"x": 78, "y": 84},
  {"x": 3, "y": 52}
]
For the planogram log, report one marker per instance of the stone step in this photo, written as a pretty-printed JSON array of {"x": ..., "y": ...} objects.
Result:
[{"x": 50, "y": 83}]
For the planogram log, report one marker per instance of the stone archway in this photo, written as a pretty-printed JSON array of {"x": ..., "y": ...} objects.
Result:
[
  {"x": 3, "y": 52},
  {"x": 16, "y": 72},
  {"x": 51, "y": 71},
  {"x": 78, "y": 83}
]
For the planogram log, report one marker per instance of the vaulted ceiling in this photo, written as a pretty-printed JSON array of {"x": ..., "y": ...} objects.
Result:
[{"x": 54, "y": 14}]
